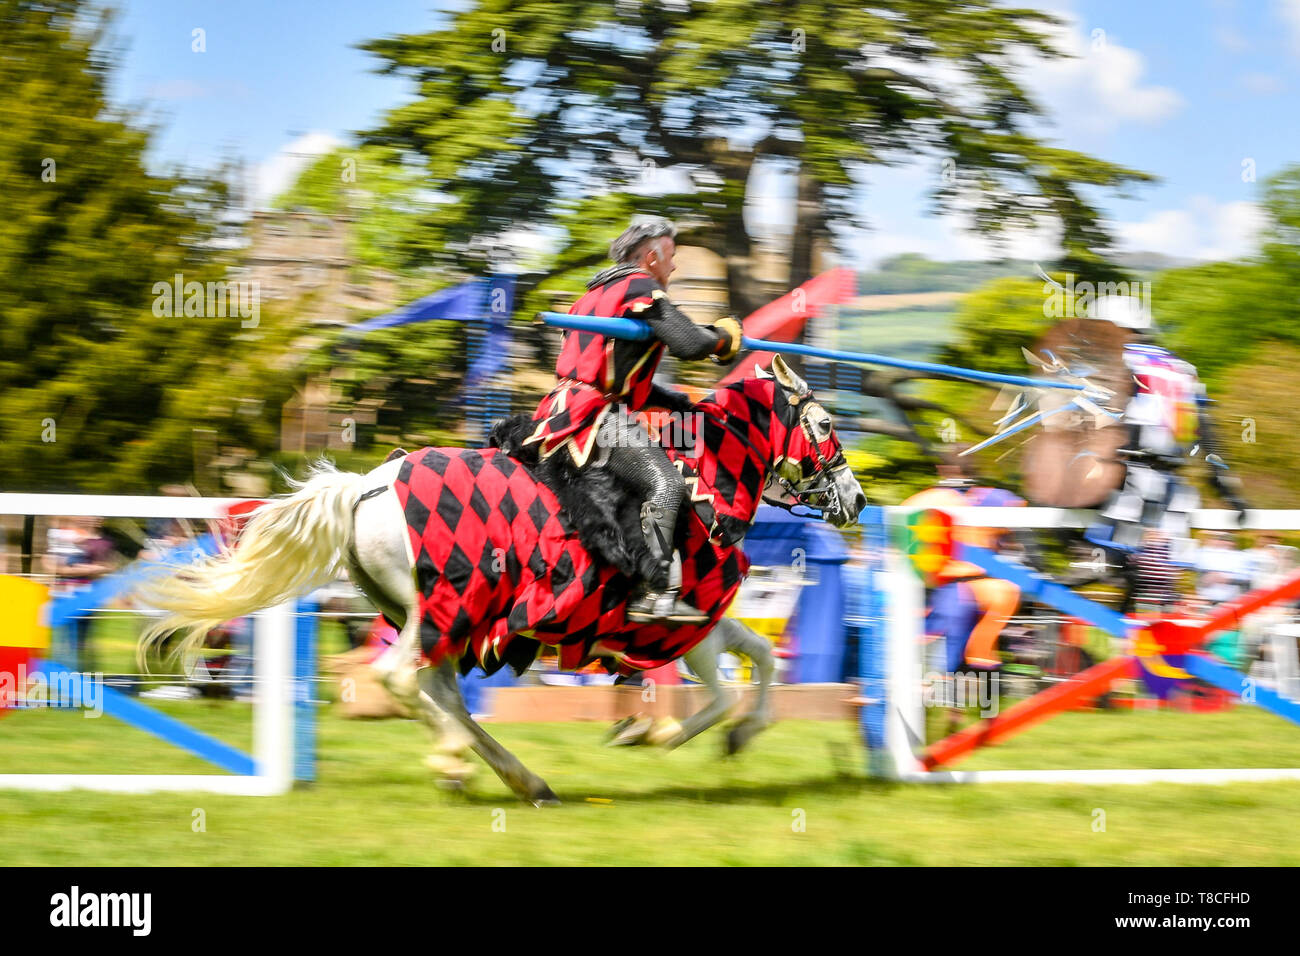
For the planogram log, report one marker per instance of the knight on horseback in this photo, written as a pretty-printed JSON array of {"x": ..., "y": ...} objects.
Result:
[
  {"x": 1169, "y": 424},
  {"x": 598, "y": 375}
]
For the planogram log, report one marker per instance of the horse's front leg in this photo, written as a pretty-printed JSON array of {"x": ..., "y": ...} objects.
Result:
[
  {"x": 703, "y": 660},
  {"x": 445, "y": 694}
]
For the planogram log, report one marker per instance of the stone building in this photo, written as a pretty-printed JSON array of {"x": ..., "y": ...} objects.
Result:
[{"x": 302, "y": 258}]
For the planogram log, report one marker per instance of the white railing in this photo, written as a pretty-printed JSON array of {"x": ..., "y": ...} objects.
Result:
[
  {"x": 903, "y": 604},
  {"x": 273, "y": 665}
]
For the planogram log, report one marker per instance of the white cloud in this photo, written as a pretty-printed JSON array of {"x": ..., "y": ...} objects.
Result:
[
  {"x": 1231, "y": 40},
  {"x": 946, "y": 238},
  {"x": 1100, "y": 84},
  {"x": 1261, "y": 84},
  {"x": 1288, "y": 11},
  {"x": 1203, "y": 229},
  {"x": 276, "y": 174}
]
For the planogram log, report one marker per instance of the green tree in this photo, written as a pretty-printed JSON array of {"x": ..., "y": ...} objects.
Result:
[
  {"x": 97, "y": 391},
  {"x": 562, "y": 115},
  {"x": 1217, "y": 315}
]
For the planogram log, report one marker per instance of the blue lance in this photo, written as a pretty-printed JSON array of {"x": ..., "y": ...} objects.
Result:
[{"x": 638, "y": 331}]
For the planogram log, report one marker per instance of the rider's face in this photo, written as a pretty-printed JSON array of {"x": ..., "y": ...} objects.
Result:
[{"x": 659, "y": 259}]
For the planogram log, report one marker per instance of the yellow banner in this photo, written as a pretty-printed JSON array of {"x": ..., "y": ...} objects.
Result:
[{"x": 26, "y": 613}]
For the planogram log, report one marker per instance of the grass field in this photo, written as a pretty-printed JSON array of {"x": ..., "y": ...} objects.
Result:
[{"x": 375, "y": 804}]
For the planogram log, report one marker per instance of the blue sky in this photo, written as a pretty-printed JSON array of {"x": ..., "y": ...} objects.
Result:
[{"x": 1186, "y": 90}]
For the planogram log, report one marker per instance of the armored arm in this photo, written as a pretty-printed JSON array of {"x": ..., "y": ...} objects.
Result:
[
  {"x": 670, "y": 399},
  {"x": 685, "y": 339}
]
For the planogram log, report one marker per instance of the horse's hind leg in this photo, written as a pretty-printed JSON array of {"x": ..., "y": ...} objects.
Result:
[
  {"x": 412, "y": 687},
  {"x": 759, "y": 650},
  {"x": 451, "y": 743},
  {"x": 703, "y": 660},
  {"x": 379, "y": 566},
  {"x": 526, "y": 784}
]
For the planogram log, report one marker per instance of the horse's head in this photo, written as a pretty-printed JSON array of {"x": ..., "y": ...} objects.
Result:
[{"x": 808, "y": 463}]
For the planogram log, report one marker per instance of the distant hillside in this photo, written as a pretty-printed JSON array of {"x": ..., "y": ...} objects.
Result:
[{"x": 912, "y": 272}]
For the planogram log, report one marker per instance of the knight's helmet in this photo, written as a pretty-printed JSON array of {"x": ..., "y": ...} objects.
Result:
[{"x": 1126, "y": 311}]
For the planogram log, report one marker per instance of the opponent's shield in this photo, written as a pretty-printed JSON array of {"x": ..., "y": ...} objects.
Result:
[{"x": 1071, "y": 463}]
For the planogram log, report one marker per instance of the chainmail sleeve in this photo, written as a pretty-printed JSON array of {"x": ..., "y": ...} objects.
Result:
[
  {"x": 674, "y": 401},
  {"x": 684, "y": 339}
]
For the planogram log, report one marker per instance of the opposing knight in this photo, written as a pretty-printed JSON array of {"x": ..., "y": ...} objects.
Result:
[
  {"x": 1168, "y": 424},
  {"x": 603, "y": 382}
]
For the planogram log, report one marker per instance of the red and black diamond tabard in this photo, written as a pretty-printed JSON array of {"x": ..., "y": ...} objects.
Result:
[
  {"x": 490, "y": 550},
  {"x": 595, "y": 371}
]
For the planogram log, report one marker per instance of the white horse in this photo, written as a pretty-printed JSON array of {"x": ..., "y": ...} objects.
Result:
[{"x": 335, "y": 519}]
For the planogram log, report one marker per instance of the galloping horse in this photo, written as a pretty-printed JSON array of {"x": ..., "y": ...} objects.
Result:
[{"x": 470, "y": 554}]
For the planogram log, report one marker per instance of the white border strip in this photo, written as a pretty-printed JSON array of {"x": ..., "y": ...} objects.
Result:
[
  {"x": 1208, "y": 775},
  {"x": 273, "y": 738},
  {"x": 116, "y": 506},
  {"x": 1205, "y": 518},
  {"x": 230, "y": 784}
]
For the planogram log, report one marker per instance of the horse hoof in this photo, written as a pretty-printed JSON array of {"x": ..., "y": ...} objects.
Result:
[
  {"x": 545, "y": 797},
  {"x": 736, "y": 740},
  {"x": 629, "y": 732},
  {"x": 453, "y": 773},
  {"x": 663, "y": 732}
]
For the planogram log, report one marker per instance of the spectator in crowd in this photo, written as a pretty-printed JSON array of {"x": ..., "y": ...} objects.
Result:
[
  {"x": 1267, "y": 635},
  {"x": 1223, "y": 574},
  {"x": 1269, "y": 561},
  {"x": 1156, "y": 574},
  {"x": 968, "y": 608},
  {"x": 1223, "y": 570},
  {"x": 856, "y": 577},
  {"x": 164, "y": 534},
  {"x": 77, "y": 554}
]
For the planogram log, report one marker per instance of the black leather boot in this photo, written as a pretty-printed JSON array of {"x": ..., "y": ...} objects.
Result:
[{"x": 661, "y": 602}]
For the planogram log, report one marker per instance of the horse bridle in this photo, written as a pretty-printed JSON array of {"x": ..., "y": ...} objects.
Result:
[{"x": 825, "y": 484}]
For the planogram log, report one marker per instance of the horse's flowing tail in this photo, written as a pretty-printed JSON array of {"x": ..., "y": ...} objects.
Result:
[{"x": 290, "y": 546}]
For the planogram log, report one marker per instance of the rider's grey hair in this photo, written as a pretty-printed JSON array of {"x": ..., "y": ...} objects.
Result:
[{"x": 644, "y": 228}]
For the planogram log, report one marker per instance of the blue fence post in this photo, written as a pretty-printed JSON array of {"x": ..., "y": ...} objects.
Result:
[
  {"x": 873, "y": 643},
  {"x": 304, "y": 690}
]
